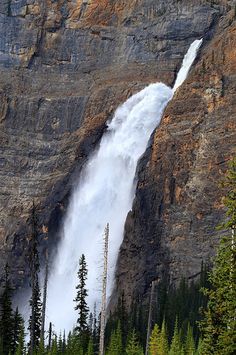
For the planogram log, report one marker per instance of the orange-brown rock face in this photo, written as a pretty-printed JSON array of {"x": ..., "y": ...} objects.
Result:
[
  {"x": 178, "y": 204},
  {"x": 64, "y": 68}
]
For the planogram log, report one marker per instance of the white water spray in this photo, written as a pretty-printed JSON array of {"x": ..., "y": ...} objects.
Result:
[{"x": 104, "y": 194}]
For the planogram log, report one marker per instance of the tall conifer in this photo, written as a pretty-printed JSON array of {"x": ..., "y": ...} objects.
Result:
[
  {"x": 189, "y": 343},
  {"x": 164, "y": 346},
  {"x": 82, "y": 293},
  {"x": 154, "y": 342},
  {"x": 17, "y": 330},
  {"x": 219, "y": 325},
  {"x": 133, "y": 347},
  {"x": 175, "y": 347},
  {"x": 6, "y": 316},
  {"x": 115, "y": 345},
  {"x": 35, "y": 301}
]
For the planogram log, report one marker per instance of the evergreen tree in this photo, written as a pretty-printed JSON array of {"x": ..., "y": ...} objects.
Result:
[
  {"x": 164, "y": 346},
  {"x": 64, "y": 343},
  {"x": 90, "y": 323},
  {"x": 82, "y": 293},
  {"x": 90, "y": 347},
  {"x": 189, "y": 343},
  {"x": 175, "y": 347},
  {"x": 95, "y": 330},
  {"x": 41, "y": 349},
  {"x": 53, "y": 350},
  {"x": 17, "y": 330},
  {"x": 69, "y": 344},
  {"x": 123, "y": 319},
  {"x": 20, "y": 350},
  {"x": 74, "y": 346},
  {"x": 133, "y": 347},
  {"x": 35, "y": 301},
  {"x": 154, "y": 341},
  {"x": 115, "y": 345},
  {"x": 219, "y": 325},
  {"x": 6, "y": 316},
  {"x": 199, "y": 348},
  {"x": 60, "y": 345},
  {"x": 90, "y": 350}
]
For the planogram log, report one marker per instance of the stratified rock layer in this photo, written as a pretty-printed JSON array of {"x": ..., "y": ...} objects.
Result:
[
  {"x": 64, "y": 68},
  {"x": 178, "y": 203}
]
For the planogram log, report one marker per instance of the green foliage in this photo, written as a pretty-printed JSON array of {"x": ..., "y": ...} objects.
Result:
[
  {"x": 230, "y": 200},
  {"x": 189, "y": 342},
  {"x": 20, "y": 348},
  {"x": 41, "y": 349},
  {"x": 176, "y": 345},
  {"x": 90, "y": 350},
  {"x": 199, "y": 348},
  {"x": 115, "y": 346},
  {"x": 74, "y": 346},
  {"x": 133, "y": 347},
  {"x": 35, "y": 301},
  {"x": 154, "y": 341},
  {"x": 183, "y": 303},
  {"x": 6, "y": 316},
  {"x": 158, "y": 343},
  {"x": 82, "y": 293},
  {"x": 164, "y": 346},
  {"x": 18, "y": 332},
  {"x": 219, "y": 325},
  {"x": 36, "y": 314},
  {"x": 53, "y": 350}
]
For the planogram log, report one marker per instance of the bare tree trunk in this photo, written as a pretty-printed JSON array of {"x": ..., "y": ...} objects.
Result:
[
  {"x": 44, "y": 298},
  {"x": 104, "y": 289}
]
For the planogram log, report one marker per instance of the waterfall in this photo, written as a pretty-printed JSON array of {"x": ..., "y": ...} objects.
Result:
[{"x": 105, "y": 193}]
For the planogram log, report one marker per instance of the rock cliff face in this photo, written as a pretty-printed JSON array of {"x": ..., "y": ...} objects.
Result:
[
  {"x": 64, "y": 68},
  {"x": 178, "y": 204}
]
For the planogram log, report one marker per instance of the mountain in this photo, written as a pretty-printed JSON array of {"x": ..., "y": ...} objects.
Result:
[{"x": 65, "y": 66}]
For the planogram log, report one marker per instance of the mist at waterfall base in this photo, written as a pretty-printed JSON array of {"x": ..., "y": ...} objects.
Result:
[{"x": 105, "y": 193}]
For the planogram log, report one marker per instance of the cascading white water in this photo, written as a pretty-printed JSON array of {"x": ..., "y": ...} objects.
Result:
[{"x": 104, "y": 194}]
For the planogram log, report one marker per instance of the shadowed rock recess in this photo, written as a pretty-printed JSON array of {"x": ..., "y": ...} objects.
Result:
[{"x": 65, "y": 66}]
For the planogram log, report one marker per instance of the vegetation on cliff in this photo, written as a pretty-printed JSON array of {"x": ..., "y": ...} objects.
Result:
[{"x": 192, "y": 318}]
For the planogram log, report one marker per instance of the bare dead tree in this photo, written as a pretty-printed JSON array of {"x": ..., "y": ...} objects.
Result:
[{"x": 104, "y": 289}]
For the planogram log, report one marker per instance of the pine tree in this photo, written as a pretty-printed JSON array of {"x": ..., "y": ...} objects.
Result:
[
  {"x": 6, "y": 319},
  {"x": 95, "y": 329},
  {"x": 219, "y": 325},
  {"x": 60, "y": 345},
  {"x": 20, "y": 350},
  {"x": 133, "y": 347},
  {"x": 90, "y": 323},
  {"x": 199, "y": 348},
  {"x": 189, "y": 343},
  {"x": 175, "y": 347},
  {"x": 53, "y": 350},
  {"x": 115, "y": 345},
  {"x": 163, "y": 347},
  {"x": 74, "y": 346},
  {"x": 154, "y": 341},
  {"x": 64, "y": 343},
  {"x": 90, "y": 350},
  {"x": 123, "y": 319},
  {"x": 82, "y": 293},
  {"x": 41, "y": 349},
  {"x": 35, "y": 301},
  {"x": 17, "y": 330}
]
